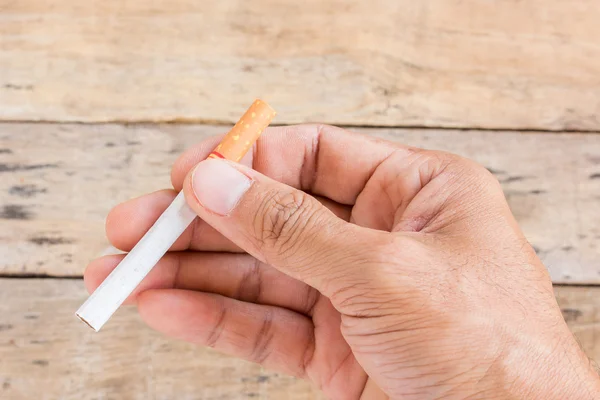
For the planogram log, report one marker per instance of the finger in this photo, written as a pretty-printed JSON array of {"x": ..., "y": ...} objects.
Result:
[
  {"x": 273, "y": 337},
  {"x": 238, "y": 276},
  {"x": 279, "y": 225},
  {"x": 323, "y": 160},
  {"x": 129, "y": 221}
]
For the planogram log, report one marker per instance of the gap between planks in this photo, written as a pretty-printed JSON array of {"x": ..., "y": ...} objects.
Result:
[
  {"x": 190, "y": 121},
  {"x": 80, "y": 277}
]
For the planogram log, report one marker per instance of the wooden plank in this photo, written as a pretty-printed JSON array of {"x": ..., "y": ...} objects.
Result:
[
  {"x": 441, "y": 63},
  {"x": 59, "y": 182},
  {"x": 46, "y": 353},
  {"x": 580, "y": 309}
]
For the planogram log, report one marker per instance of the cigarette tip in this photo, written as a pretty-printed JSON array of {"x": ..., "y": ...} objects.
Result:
[
  {"x": 271, "y": 109},
  {"x": 85, "y": 322}
]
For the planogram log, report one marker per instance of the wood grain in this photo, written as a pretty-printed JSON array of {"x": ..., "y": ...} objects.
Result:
[
  {"x": 579, "y": 306},
  {"x": 58, "y": 182},
  {"x": 46, "y": 353},
  {"x": 441, "y": 63}
]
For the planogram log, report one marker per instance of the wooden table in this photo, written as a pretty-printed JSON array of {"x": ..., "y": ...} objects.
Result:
[{"x": 98, "y": 98}]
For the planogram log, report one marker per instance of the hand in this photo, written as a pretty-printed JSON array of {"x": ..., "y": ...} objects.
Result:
[{"x": 364, "y": 266}]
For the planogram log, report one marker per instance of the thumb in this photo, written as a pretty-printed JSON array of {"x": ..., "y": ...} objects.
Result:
[{"x": 279, "y": 225}]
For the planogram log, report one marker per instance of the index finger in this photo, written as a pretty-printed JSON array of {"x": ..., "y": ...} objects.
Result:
[{"x": 318, "y": 159}]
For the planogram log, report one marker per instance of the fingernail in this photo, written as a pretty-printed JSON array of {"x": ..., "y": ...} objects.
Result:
[{"x": 218, "y": 186}]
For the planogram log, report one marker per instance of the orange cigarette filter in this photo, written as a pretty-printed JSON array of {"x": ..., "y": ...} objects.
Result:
[{"x": 247, "y": 130}]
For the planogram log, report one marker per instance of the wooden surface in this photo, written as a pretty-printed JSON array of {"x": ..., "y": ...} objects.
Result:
[
  {"x": 59, "y": 182},
  {"x": 442, "y": 63},
  {"x": 494, "y": 68},
  {"x": 46, "y": 353}
]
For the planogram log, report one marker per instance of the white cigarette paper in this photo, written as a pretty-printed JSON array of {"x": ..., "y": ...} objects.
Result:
[{"x": 115, "y": 289}]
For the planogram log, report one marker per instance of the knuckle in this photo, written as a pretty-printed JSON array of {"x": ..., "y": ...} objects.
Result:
[
  {"x": 250, "y": 287},
  {"x": 461, "y": 169},
  {"x": 438, "y": 158},
  {"x": 482, "y": 182},
  {"x": 479, "y": 171},
  {"x": 310, "y": 300},
  {"x": 262, "y": 346},
  {"x": 282, "y": 219},
  {"x": 474, "y": 169},
  {"x": 214, "y": 335},
  {"x": 433, "y": 163}
]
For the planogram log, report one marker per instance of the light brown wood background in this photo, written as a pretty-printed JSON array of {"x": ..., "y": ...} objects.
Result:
[{"x": 98, "y": 98}]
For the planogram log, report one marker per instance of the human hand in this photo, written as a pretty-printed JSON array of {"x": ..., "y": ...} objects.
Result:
[{"x": 362, "y": 265}]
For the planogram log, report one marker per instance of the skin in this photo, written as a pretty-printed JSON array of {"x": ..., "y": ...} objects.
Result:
[{"x": 372, "y": 269}]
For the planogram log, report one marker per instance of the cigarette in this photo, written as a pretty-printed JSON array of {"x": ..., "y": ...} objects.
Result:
[{"x": 123, "y": 280}]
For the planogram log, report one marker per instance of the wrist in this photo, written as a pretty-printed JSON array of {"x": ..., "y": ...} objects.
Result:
[
  {"x": 532, "y": 366},
  {"x": 573, "y": 377},
  {"x": 559, "y": 372}
]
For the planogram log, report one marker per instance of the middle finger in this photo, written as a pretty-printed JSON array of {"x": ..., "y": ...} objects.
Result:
[{"x": 239, "y": 276}]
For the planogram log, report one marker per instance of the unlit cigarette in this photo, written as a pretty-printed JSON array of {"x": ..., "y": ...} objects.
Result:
[{"x": 109, "y": 296}]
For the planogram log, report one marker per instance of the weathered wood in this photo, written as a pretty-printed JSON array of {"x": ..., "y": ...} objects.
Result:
[
  {"x": 46, "y": 353},
  {"x": 580, "y": 308},
  {"x": 446, "y": 63},
  {"x": 58, "y": 182}
]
